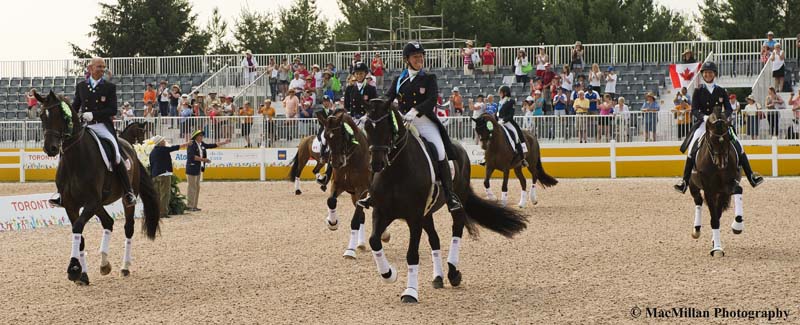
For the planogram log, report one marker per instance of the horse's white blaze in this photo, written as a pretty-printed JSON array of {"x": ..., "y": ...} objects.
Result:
[
  {"x": 126, "y": 258},
  {"x": 452, "y": 255},
  {"x": 437, "y": 263}
]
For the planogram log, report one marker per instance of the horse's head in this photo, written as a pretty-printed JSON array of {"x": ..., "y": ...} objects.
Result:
[
  {"x": 134, "y": 132},
  {"x": 719, "y": 137},
  {"x": 59, "y": 121},
  {"x": 384, "y": 126},
  {"x": 340, "y": 134},
  {"x": 484, "y": 126}
]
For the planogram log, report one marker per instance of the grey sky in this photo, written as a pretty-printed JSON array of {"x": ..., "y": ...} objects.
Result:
[{"x": 44, "y": 32}]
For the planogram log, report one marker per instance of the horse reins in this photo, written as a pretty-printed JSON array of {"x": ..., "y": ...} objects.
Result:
[
  {"x": 60, "y": 135},
  {"x": 391, "y": 148},
  {"x": 346, "y": 154}
]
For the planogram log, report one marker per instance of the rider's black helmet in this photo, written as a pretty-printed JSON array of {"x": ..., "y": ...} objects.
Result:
[
  {"x": 412, "y": 48},
  {"x": 709, "y": 66}
]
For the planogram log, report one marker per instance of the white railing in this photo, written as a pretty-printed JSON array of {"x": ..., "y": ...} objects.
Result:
[
  {"x": 604, "y": 54},
  {"x": 761, "y": 86},
  {"x": 281, "y": 132},
  {"x": 228, "y": 81}
]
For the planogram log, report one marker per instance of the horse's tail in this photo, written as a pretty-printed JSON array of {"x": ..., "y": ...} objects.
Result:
[
  {"x": 294, "y": 172},
  {"x": 492, "y": 216},
  {"x": 543, "y": 178},
  {"x": 299, "y": 161},
  {"x": 536, "y": 169},
  {"x": 152, "y": 213}
]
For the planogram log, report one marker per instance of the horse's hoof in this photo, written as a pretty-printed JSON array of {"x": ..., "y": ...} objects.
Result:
[
  {"x": 453, "y": 275},
  {"x": 83, "y": 280},
  {"x": 105, "y": 269},
  {"x": 738, "y": 225},
  {"x": 362, "y": 246},
  {"x": 74, "y": 269},
  {"x": 410, "y": 296},
  {"x": 696, "y": 232},
  {"x": 323, "y": 188},
  {"x": 386, "y": 237},
  {"x": 391, "y": 276},
  {"x": 125, "y": 273},
  {"x": 438, "y": 283},
  {"x": 332, "y": 226},
  {"x": 349, "y": 254},
  {"x": 298, "y": 192},
  {"x": 717, "y": 252}
]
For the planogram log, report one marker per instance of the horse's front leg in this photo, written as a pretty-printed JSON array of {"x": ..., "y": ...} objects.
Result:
[
  {"x": 487, "y": 184},
  {"x": 411, "y": 294},
  {"x": 738, "y": 222},
  {"x": 504, "y": 194},
  {"x": 380, "y": 221},
  {"x": 332, "y": 221},
  {"x": 698, "y": 210},
  {"x": 77, "y": 269},
  {"x": 523, "y": 196}
]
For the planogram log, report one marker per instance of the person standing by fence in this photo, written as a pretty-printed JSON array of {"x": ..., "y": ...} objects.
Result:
[
  {"x": 196, "y": 160},
  {"x": 161, "y": 171},
  {"x": 249, "y": 66}
]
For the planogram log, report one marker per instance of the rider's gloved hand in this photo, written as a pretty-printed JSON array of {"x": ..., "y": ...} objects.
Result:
[
  {"x": 88, "y": 116},
  {"x": 411, "y": 115}
]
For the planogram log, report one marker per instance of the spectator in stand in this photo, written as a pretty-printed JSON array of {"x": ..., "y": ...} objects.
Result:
[
  {"x": 560, "y": 101},
  {"x": 488, "y": 57},
  {"x": 228, "y": 108},
  {"x": 466, "y": 53},
  {"x": 736, "y": 109},
  {"x": 196, "y": 158},
  {"x": 268, "y": 114},
  {"x": 576, "y": 59},
  {"x": 765, "y": 54},
  {"x": 307, "y": 102},
  {"x": 149, "y": 115},
  {"x": 317, "y": 73},
  {"x": 249, "y": 66},
  {"x": 296, "y": 63},
  {"x": 457, "y": 102},
  {"x": 778, "y": 66},
  {"x": 606, "y": 109},
  {"x": 688, "y": 56},
  {"x": 548, "y": 77},
  {"x": 682, "y": 112},
  {"x": 161, "y": 171},
  {"x": 579, "y": 87},
  {"x": 201, "y": 105},
  {"x": 594, "y": 99},
  {"x": 770, "y": 42},
  {"x": 163, "y": 98},
  {"x": 298, "y": 83},
  {"x": 356, "y": 60},
  {"x": 330, "y": 67},
  {"x": 302, "y": 71},
  {"x": 272, "y": 72},
  {"x": 377, "y": 70},
  {"x": 309, "y": 87},
  {"x": 149, "y": 94},
  {"x": 685, "y": 93},
  {"x": 211, "y": 100},
  {"x": 247, "y": 122},
  {"x": 538, "y": 103},
  {"x": 32, "y": 103},
  {"x": 650, "y": 109},
  {"x": 527, "y": 110},
  {"x": 595, "y": 76},
  {"x": 611, "y": 83},
  {"x": 581, "y": 120},
  {"x": 185, "y": 122},
  {"x": 622, "y": 115},
  {"x": 283, "y": 77},
  {"x": 774, "y": 103},
  {"x": 542, "y": 61},
  {"x": 478, "y": 108},
  {"x": 370, "y": 80},
  {"x": 566, "y": 79},
  {"x": 519, "y": 63},
  {"x": 291, "y": 103},
  {"x": 794, "y": 104},
  {"x": 127, "y": 112},
  {"x": 753, "y": 113},
  {"x": 174, "y": 99},
  {"x": 327, "y": 84},
  {"x": 491, "y": 106}
]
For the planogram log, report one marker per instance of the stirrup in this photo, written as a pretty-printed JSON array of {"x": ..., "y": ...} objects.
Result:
[
  {"x": 681, "y": 187},
  {"x": 453, "y": 204},
  {"x": 365, "y": 203},
  {"x": 56, "y": 202},
  {"x": 129, "y": 200},
  {"x": 755, "y": 179},
  {"x": 322, "y": 179}
]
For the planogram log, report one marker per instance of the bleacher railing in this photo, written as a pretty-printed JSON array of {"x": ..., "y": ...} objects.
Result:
[
  {"x": 259, "y": 131},
  {"x": 762, "y": 83},
  {"x": 604, "y": 54}
]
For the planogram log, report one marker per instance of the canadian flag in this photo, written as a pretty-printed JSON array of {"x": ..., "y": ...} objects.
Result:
[{"x": 682, "y": 74}]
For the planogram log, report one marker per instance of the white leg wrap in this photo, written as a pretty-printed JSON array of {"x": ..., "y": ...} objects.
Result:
[
  {"x": 297, "y": 183},
  {"x": 332, "y": 218},
  {"x": 715, "y": 238},
  {"x": 361, "y": 234},
  {"x": 533, "y": 194},
  {"x": 126, "y": 258},
  {"x": 105, "y": 241},
  {"x": 737, "y": 204},
  {"x": 352, "y": 243},
  {"x": 76, "y": 245},
  {"x": 452, "y": 255},
  {"x": 381, "y": 261},
  {"x": 698, "y": 214},
  {"x": 437, "y": 263},
  {"x": 490, "y": 195},
  {"x": 523, "y": 199},
  {"x": 504, "y": 198},
  {"x": 82, "y": 260},
  {"x": 413, "y": 277}
]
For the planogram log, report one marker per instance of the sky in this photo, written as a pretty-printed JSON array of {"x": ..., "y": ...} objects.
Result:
[{"x": 45, "y": 33}]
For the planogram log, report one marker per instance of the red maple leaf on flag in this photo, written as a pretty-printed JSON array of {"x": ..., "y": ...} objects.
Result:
[{"x": 687, "y": 74}]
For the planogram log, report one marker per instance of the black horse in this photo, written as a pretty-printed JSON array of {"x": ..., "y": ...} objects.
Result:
[
  {"x": 404, "y": 188},
  {"x": 134, "y": 132},
  {"x": 84, "y": 182},
  {"x": 717, "y": 175}
]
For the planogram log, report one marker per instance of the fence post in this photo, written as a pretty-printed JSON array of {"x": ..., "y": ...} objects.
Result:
[
  {"x": 22, "y": 165},
  {"x": 262, "y": 155},
  {"x": 613, "y": 155},
  {"x": 774, "y": 156}
]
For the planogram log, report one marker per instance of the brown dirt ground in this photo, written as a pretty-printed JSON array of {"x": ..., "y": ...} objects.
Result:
[{"x": 258, "y": 254}]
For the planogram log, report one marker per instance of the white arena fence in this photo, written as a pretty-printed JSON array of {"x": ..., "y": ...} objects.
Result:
[{"x": 738, "y": 53}]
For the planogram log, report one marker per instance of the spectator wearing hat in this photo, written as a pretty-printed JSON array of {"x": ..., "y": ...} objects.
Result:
[
  {"x": 770, "y": 41},
  {"x": 283, "y": 77},
  {"x": 752, "y": 111},
  {"x": 196, "y": 160},
  {"x": 519, "y": 62},
  {"x": 577, "y": 62},
  {"x": 466, "y": 53},
  {"x": 161, "y": 170},
  {"x": 735, "y": 110},
  {"x": 316, "y": 72},
  {"x": 456, "y": 102},
  {"x": 581, "y": 106},
  {"x": 247, "y": 112},
  {"x": 163, "y": 98},
  {"x": 378, "y": 70},
  {"x": 527, "y": 110},
  {"x": 542, "y": 60},
  {"x": 127, "y": 112},
  {"x": 267, "y": 113},
  {"x": 185, "y": 114},
  {"x": 688, "y": 56},
  {"x": 611, "y": 83},
  {"x": 249, "y": 67},
  {"x": 298, "y": 83},
  {"x": 174, "y": 99},
  {"x": 682, "y": 112},
  {"x": 356, "y": 60},
  {"x": 210, "y": 100},
  {"x": 296, "y": 62},
  {"x": 149, "y": 94},
  {"x": 488, "y": 60},
  {"x": 650, "y": 109}
]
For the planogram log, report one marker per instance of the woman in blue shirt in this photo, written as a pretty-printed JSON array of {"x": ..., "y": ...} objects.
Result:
[
  {"x": 161, "y": 170},
  {"x": 650, "y": 109}
]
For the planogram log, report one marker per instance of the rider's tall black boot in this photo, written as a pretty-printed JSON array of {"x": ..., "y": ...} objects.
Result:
[
  {"x": 683, "y": 185},
  {"x": 453, "y": 203},
  {"x": 754, "y": 178},
  {"x": 128, "y": 198}
]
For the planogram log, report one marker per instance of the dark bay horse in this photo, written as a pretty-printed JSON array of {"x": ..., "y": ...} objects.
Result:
[
  {"x": 717, "y": 175},
  {"x": 404, "y": 188},
  {"x": 84, "y": 182},
  {"x": 349, "y": 158},
  {"x": 304, "y": 154},
  {"x": 134, "y": 132},
  {"x": 500, "y": 156}
]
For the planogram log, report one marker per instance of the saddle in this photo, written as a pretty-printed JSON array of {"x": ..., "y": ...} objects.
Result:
[
  {"x": 512, "y": 140},
  {"x": 106, "y": 150}
]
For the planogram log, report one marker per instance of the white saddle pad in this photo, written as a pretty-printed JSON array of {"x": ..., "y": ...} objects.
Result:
[
  {"x": 510, "y": 139},
  {"x": 316, "y": 146},
  {"x": 102, "y": 150}
]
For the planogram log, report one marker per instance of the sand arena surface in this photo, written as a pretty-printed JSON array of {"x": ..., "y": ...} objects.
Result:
[{"x": 259, "y": 254}]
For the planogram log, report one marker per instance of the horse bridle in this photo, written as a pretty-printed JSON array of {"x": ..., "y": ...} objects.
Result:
[
  {"x": 392, "y": 147},
  {"x": 351, "y": 146},
  {"x": 714, "y": 154},
  {"x": 61, "y": 136}
]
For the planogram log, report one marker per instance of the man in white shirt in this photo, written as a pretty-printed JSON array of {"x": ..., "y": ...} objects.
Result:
[
  {"x": 611, "y": 83},
  {"x": 298, "y": 84}
]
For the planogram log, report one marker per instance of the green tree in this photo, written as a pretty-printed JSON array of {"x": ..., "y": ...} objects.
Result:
[
  {"x": 302, "y": 29},
  {"x": 218, "y": 30},
  {"x": 745, "y": 19},
  {"x": 145, "y": 28},
  {"x": 254, "y": 31}
]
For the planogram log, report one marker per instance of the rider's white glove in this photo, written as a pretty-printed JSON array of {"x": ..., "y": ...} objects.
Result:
[
  {"x": 88, "y": 116},
  {"x": 500, "y": 121},
  {"x": 411, "y": 115}
]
